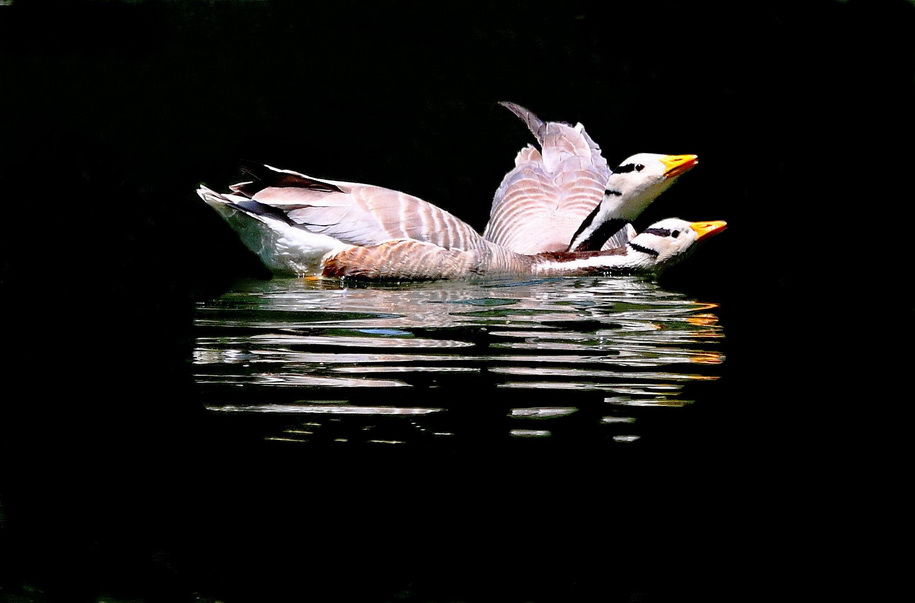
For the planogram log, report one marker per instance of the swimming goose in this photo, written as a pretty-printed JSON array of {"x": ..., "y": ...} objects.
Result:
[
  {"x": 565, "y": 197},
  {"x": 308, "y": 226}
]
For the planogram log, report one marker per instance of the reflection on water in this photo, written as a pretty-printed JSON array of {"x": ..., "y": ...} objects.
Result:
[{"x": 317, "y": 361}]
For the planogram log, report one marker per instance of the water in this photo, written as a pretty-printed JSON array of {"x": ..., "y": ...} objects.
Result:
[
  {"x": 453, "y": 441},
  {"x": 576, "y": 439},
  {"x": 516, "y": 441},
  {"x": 452, "y": 365}
]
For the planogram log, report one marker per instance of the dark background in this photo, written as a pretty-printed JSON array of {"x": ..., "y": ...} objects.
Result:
[{"x": 111, "y": 113}]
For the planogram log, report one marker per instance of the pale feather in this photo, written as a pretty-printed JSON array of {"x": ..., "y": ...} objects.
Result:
[
  {"x": 361, "y": 214},
  {"x": 540, "y": 204}
]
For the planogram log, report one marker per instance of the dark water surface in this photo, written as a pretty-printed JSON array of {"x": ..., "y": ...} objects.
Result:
[
  {"x": 575, "y": 439},
  {"x": 462, "y": 441},
  {"x": 454, "y": 365}
]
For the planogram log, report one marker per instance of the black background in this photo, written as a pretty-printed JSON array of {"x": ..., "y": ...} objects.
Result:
[{"x": 113, "y": 112}]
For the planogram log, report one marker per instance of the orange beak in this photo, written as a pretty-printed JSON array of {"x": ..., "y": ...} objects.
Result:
[
  {"x": 677, "y": 164},
  {"x": 707, "y": 229}
]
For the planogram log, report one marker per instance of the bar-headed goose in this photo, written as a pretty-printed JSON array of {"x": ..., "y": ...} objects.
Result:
[
  {"x": 302, "y": 225},
  {"x": 565, "y": 197}
]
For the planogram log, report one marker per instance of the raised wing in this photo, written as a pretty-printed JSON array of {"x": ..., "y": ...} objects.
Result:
[
  {"x": 357, "y": 214},
  {"x": 541, "y": 203}
]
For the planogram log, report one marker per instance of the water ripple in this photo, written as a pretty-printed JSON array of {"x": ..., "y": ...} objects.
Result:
[{"x": 449, "y": 358}]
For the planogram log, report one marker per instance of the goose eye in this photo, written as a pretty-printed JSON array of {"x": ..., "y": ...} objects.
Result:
[
  {"x": 675, "y": 234},
  {"x": 639, "y": 167}
]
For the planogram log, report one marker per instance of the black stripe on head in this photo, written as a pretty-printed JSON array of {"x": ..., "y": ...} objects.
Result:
[
  {"x": 629, "y": 167},
  {"x": 660, "y": 232},
  {"x": 644, "y": 250}
]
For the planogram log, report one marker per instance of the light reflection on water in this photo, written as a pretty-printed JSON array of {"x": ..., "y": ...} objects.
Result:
[{"x": 431, "y": 362}]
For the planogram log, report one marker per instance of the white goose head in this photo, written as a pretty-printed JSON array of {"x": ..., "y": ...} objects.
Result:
[
  {"x": 665, "y": 243},
  {"x": 655, "y": 249},
  {"x": 630, "y": 189}
]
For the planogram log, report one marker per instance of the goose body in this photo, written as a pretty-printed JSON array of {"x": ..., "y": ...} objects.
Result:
[
  {"x": 565, "y": 196},
  {"x": 302, "y": 225}
]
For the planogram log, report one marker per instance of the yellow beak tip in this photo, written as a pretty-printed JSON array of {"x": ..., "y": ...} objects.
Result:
[
  {"x": 677, "y": 164},
  {"x": 706, "y": 229}
]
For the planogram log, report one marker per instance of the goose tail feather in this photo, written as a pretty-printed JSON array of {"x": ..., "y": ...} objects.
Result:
[{"x": 536, "y": 125}]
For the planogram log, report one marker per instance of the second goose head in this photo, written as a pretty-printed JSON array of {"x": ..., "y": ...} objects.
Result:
[
  {"x": 632, "y": 186},
  {"x": 669, "y": 241}
]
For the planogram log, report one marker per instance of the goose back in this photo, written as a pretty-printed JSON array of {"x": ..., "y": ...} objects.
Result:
[{"x": 356, "y": 214}]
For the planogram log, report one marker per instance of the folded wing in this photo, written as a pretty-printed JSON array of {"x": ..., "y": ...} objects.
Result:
[{"x": 355, "y": 214}]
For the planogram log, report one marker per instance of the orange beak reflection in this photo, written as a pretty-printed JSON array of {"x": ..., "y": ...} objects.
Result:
[
  {"x": 707, "y": 229},
  {"x": 677, "y": 164}
]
